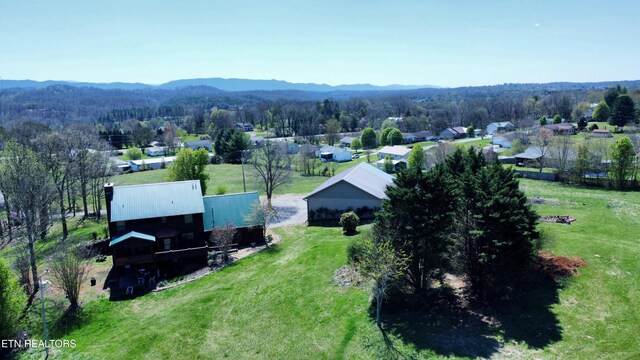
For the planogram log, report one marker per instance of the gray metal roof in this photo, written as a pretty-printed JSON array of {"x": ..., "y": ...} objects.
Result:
[
  {"x": 398, "y": 150},
  {"x": 156, "y": 200},
  {"x": 363, "y": 176},
  {"x": 532, "y": 153}
]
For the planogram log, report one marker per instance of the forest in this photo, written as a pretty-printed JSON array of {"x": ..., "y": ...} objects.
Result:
[{"x": 202, "y": 109}]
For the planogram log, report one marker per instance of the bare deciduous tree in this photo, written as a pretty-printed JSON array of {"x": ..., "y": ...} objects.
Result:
[
  {"x": 263, "y": 215},
  {"x": 561, "y": 153},
  {"x": 222, "y": 238},
  {"x": 69, "y": 271},
  {"x": 25, "y": 181},
  {"x": 271, "y": 167},
  {"x": 382, "y": 265},
  {"x": 307, "y": 159}
]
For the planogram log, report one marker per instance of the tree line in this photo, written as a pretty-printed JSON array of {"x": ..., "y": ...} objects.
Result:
[{"x": 45, "y": 176}]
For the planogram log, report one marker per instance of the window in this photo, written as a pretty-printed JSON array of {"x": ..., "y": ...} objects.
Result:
[
  {"x": 120, "y": 226},
  {"x": 188, "y": 219},
  {"x": 187, "y": 236},
  {"x": 167, "y": 244}
]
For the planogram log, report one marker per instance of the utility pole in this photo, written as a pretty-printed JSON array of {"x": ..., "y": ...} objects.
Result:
[
  {"x": 244, "y": 183},
  {"x": 44, "y": 318}
]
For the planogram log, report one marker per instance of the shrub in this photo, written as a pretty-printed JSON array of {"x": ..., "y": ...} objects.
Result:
[
  {"x": 349, "y": 221},
  {"x": 216, "y": 159},
  {"x": 356, "y": 249},
  {"x": 221, "y": 190},
  {"x": 134, "y": 153},
  {"x": 593, "y": 127},
  {"x": 11, "y": 300}
]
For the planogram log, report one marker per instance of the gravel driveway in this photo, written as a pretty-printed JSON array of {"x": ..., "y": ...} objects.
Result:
[{"x": 290, "y": 210}]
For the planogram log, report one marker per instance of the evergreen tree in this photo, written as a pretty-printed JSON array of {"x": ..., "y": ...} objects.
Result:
[
  {"x": 612, "y": 94},
  {"x": 498, "y": 239},
  {"x": 557, "y": 119},
  {"x": 420, "y": 209},
  {"x": 623, "y": 111},
  {"x": 543, "y": 121}
]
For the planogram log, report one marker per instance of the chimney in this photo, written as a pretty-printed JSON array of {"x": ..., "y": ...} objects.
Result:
[{"x": 108, "y": 196}]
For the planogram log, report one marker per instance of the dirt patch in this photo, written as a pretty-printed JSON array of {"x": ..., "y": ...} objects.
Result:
[
  {"x": 559, "y": 266},
  {"x": 558, "y": 219},
  {"x": 347, "y": 276}
]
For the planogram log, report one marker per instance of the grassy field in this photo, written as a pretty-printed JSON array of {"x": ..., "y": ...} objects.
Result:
[
  {"x": 230, "y": 176},
  {"x": 284, "y": 304}
]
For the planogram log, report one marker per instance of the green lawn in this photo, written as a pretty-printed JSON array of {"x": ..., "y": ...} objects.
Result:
[
  {"x": 230, "y": 176},
  {"x": 283, "y": 304}
]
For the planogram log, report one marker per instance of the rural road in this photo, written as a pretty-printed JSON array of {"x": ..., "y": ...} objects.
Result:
[{"x": 290, "y": 210}]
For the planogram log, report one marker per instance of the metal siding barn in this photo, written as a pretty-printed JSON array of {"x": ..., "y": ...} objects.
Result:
[{"x": 356, "y": 188}]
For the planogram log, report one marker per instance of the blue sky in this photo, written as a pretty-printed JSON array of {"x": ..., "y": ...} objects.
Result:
[{"x": 445, "y": 43}]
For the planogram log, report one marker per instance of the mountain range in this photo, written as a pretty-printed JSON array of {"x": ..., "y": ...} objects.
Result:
[{"x": 219, "y": 83}]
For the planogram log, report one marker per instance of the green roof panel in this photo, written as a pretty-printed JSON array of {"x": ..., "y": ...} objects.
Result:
[{"x": 232, "y": 207}]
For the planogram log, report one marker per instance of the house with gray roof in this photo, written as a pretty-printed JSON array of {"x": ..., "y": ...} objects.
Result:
[
  {"x": 496, "y": 127},
  {"x": 199, "y": 144},
  {"x": 360, "y": 189}
]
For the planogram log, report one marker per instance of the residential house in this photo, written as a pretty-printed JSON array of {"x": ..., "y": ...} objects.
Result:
[
  {"x": 422, "y": 136},
  {"x": 601, "y": 133},
  {"x": 244, "y": 126},
  {"x": 151, "y": 164},
  {"x": 399, "y": 155},
  {"x": 558, "y": 129},
  {"x": 199, "y": 144},
  {"x": 233, "y": 208},
  {"x": 360, "y": 189},
  {"x": 530, "y": 157},
  {"x": 156, "y": 151},
  {"x": 346, "y": 141},
  {"x": 496, "y": 127},
  {"x": 396, "y": 152},
  {"x": 155, "y": 226},
  {"x": 408, "y": 138},
  {"x": 451, "y": 133},
  {"x": 332, "y": 153},
  {"x": 503, "y": 140},
  {"x": 161, "y": 229}
]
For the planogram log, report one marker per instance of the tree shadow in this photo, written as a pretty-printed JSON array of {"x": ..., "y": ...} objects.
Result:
[
  {"x": 448, "y": 325},
  {"x": 284, "y": 213}
]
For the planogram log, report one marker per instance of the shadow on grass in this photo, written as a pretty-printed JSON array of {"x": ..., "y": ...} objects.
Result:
[
  {"x": 68, "y": 322},
  {"x": 448, "y": 326}
]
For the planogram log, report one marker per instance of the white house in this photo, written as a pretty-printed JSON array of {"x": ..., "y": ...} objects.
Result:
[
  {"x": 503, "y": 141},
  {"x": 151, "y": 164},
  {"x": 156, "y": 151},
  {"x": 499, "y": 127},
  {"x": 332, "y": 153},
  {"x": 396, "y": 152},
  {"x": 360, "y": 189}
]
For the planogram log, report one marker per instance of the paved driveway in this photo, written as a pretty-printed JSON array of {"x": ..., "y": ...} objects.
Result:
[{"x": 290, "y": 210}]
